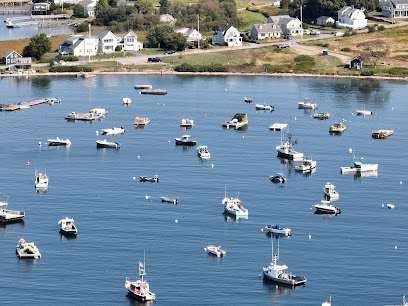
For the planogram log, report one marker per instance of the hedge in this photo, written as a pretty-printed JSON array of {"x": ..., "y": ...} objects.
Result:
[
  {"x": 71, "y": 69},
  {"x": 200, "y": 68}
]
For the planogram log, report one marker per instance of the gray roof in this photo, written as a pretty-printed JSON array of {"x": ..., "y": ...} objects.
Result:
[
  {"x": 277, "y": 18},
  {"x": 224, "y": 28},
  {"x": 348, "y": 10},
  {"x": 189, "y": 31},
  {"x": 324, "y": 18},
  {"x": 86, "y": 2},
  {"x": 9, "y": 52},
  {"x": 100, "y": 34},
  {"x": 396, "y": 2},
  {"x": 267, "y": 28}
]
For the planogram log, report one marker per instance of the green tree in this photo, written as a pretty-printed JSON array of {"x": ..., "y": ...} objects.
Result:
[
  {"x": 79, "y": 11},
  {"x": 157, "y": 34},
  {"x": 100, "y": 6},
  {"x": 144, "y": 6},
  {"x": 113, "y": 3},
  {"x": 38, "y": 46},
  {"x": 175, "y": 41},
  {"x": 165, "y": 7}
]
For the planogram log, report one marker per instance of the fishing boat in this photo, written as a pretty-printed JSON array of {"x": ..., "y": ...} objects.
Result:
[
  {"x": 143, "y": 86},
  {"x": 306, "y": 165},
  {"x": 326, "y": 208},
  {"x": 278, "y": 178},
  {"x": 330, "y": 192},
  {"x": 278, "y": 127},
  {"x": 113, "y": 131},
  {"x": 153, "y": 179},
  {"x": 277, "y": 230},
  {"x": 41, "y": 180},
  {"x": 68, "y": 227},
  {"x": 364, "y": 112},
  {"x": 277, "y": 273},
  {"x": 127, "y": 101},
  {"x": 238, "y": 121},
  {"x": 169, "y": 200},
  {"x": 202, "y": 152},
  {"x": 139, "y": 289},
  {"x": 59, "y": 142},
  {"x": 337, "y": 128},
  {"x": 359, "y": 167},
  {"x": 141, "y": 121},
  {"x": 7, "y": 215},
  {"x": 264, "y": 107},
  {"x": 233, "y": 206},
  {"x": 285, "y": 150},
  {"x": 321, "y": 116},
  {"x": 26, "y": 250},
  {"x": 215, "y": 250},
  {"x": 248, "y": 100},
  {"x": 185, "y": 141},
  {"x": 307, "y": 104},
  {"x": 187, "y": 123},
  {"x": 107, "y": 144}
]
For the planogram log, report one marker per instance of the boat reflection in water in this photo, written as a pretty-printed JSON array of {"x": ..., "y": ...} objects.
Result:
[
  {"x": 359, "y": 176},
  {"x": 232, "y": 218},
  {"x": 4, "y": 225},
  {"x": 279, "y": 289},
  {"x": 307, "y": 173}
]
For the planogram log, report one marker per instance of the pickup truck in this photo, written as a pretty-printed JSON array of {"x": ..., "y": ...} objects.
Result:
[
  {"x": 154, "y": 59},
  {"x": 282, "y": 46}
]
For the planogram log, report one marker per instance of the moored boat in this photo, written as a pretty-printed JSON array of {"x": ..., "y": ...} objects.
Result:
[
  {"x": 307, "y": 104},
  {"x": 143, "y": 86},
  {"x": 169, "y": 200},
  {"x": 278, "y": 127},
  {"x": 278, "y": 178},
  {"x": 321, "y": 116},
  {"x": 277, "y": 230},
  {"x": 238, "y": 121},
  {"x": 202, "y": 152},
  {"x": 7, "y": 215},
  {"x": 215, "y": 250},
  {"x": 248, "y": 100},
  {"x": 107, "y": 144},
  {"x": 187, "y": 123},
  {"x": 285, "y": 150},
  {"x": 330, "y": 192},
  {"x": 113, "y": 131},
  {"x": 337, "y": 128},
  {"x": 41, "y": 180},
  {"x": 141, "y": 121},
  {"x": 264, "y": 107},
  {"x": 358, "y": 168},
  {"x": 185, "y": 141},
  {"x": 382, "y": 134},
  {"x": 127, "y": 101},
  {"x": 326, "y": 208},
  {"x": 153, "y": 92},
  {"x": 363, "y": 112},
  {"x": 26, "y": 250},
  {"x": 68, "y": 227},
  {"x": 153, "y": 179},
  {"x": 59, "y": 142},
  {"x": 140, "y": 289},
  {"x": 234, "y": 207},
  {"x": 306, "y": 165}
]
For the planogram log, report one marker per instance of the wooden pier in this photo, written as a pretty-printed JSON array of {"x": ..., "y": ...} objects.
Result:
[
  {"x": 382, "y": 134},
  {"x": 26, "y": 105}
]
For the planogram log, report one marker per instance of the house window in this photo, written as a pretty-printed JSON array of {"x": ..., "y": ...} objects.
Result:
[{"x": 262, "y": 34}]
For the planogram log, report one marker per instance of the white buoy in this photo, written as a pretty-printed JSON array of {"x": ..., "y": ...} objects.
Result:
[
  {"x": 39, "y": 143},
  {"x": 163, "y": 104},
  {"x": 226, "y": 89},
  {"x": 400, "y": 182},
  {"x": 352, "y": 114},
  {"x": 259, "y": 275},
  {"x": 147, "y": 197},
  {"x": 138, "y": 156},
  {"x": 392, "y": 108},
  {"x": 212, "y": 165},
  {"x": 295, "y": 118},
  {"x": 350, "y": 150},
  {"x": 382, "y": 205},
  {"x": 395, "y": 247},
  {"x": 134, "y": 177},
  {"x": 158, "y": 103},
  {"x": 176, "y": 221},
  {"x": 262, "y": 230},
  {"x": 205, "y": 249},
  {"x": 97, "y": 133},
  {"x": 310, "y": 236}
]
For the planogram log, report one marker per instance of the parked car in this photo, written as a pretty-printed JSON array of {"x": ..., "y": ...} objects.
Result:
[
  {"x": 306, "y": 32},
  {"x": 154, "y": 59},
  {"x": 282, "y": 46},
  {"x": 288, "y": 36},
  {"x": 169, "y": 52},
  {"x": 191, "y": 47},
  {"x": 339, "y": 34},
  {"x": 62, "y": 63},
  {"x": 314, "y": 32},
  {"x": 64, "y": 53},
  {"x": 53, "y": 64}
]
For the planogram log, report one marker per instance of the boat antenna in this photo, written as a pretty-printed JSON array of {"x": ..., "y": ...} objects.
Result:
[{"x": 225, "y": 191}]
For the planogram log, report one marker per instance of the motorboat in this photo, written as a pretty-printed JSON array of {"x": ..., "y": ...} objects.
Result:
[
  {"x": 238, "y": 121},
  {"x": 321, "y": 116},
  {"x": 185, "y": 141},
  {"x": 127, "y": 101},
  {"x": 143, "y": 86},
  {"x": 277, "y": 273},
  {"x": 68, "y": 227},
  {"x": 234, "y": 207},
  {"x": 326, "y": 208},
  {"x": 278, "y": 178},
  {"x": 278, "y": 127},
  {"x": 307, "y": 105},
  {"x": 59, "y": 142},
  {"x": 264, "y": 107},
  {"x": 306, "y": 165},
  {"x": 285, "y": 150},
  {"x": 337, "y": 128},
  {"x": 141, "y": 121},
  {"x": 7, "y": 215},
  {"x": 153, "y": 179},
  {"x": 87, "y": 75},
  {"x": 359, "y": 167},
  {"x": 140, "y": 289},
  {"x": 277, "y": 230},
  {"x": 107, "y": 144},
  {"x": 364, "y": 112},
  {"x": 248, "y": 100},
  {"x": 113, "y": 131},
  {"x": 26, "y": 250},
  {"x": 215, "y": 250},
  {"x": 169, "y": 200},
  {"x": 329, "y": 191},
  {"x": 41, "y": 180},
  {"x": 202, "y": 152},
  {"x": 188, "y": 123}
]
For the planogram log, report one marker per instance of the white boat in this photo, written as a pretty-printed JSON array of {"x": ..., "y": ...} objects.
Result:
[
  {"x": 140, "y": 289},
  {"x": 6, "y": 215},
  {"x": 68, "y": 227},
  {"x": 275, "y": 229},
  {"x": 113, "y": 131},
  {"x": 307, "y": 104},
  {"x": 202, "y": 152},
  {"x": 277, "y": 273},
  {"x": 107, "y": 144},
  {"x": 59, "y": 142},
  {"x": 41, "y": 180},
  {"x": 26, "y": 250},
  {"x": 186, "y": 123},
  {"x": 329, "y": 191},
  {"x": 390, "y": 206},
  {"x": 306, "y": 165},
  {"x": 141, "y": 121},
  {"x": 264, "y": 107},
  {"x": 233, "y": 206},
  {"x": 127, "y": 101},
  {"x": 358, "y": 168},
  {"x": 285, "y": 150},
  {"x": 185, "y": 141},
  {"x": 278, "y": 127},
  {"x": 326, "y": 208},
  {"x": 238, "y": 121},
  {"x": 24, "y": 105},
  {"x": 143, "y": 86},
  {"x": 321, "y": 116},
  {"x": 278, "y": 178},
  {"x": 215, "y": 250},
  {"x": 404, "y": 301},
  {"x": 152, "y": 179},
  {"x": 327, "y": 303},
  {"x": 169, "y": 200},
  {"x": 364, "y": 112}
]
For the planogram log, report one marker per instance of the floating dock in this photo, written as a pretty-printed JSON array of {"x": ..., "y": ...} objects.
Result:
[
  {"x": 382, "y": 134},
  {"x": 154, "y": 92},
  {"x": 26, "y": 105},
  {"x": 278, "y": 127}
]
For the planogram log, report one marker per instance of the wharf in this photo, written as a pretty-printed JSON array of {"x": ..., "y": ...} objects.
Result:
[
  {"x": 25, "y": 105},
  {"x": 382, "y": 134}
]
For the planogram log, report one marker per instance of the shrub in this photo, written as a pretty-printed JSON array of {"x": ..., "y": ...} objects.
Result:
[
  {"x": 398, "y": 71},
  {"x": 346, "y": 49},
  {"x": 371, "y": 29},
  {"x": 71, "y": 69},
  {"x": 252, "y": 62},
  {"x": 381, "y": 28},
  {"x": 367, "y": 73},
  {"x": 325, "y": 45},
  {"x": 200, "y": 68},
  {"x": 304, "y": 62},
  {"x": 353, "y": 33},
  {"x": 117, "y": 49},
  {"x": 347, "y": 34}
]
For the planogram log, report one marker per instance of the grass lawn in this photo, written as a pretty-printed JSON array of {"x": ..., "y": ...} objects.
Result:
[
  {"x": 108, "y": 55},
  {"x": 245, "y": 3},
  {"x": 249, "y": 18},
  {"x": 153, "y": 51}
]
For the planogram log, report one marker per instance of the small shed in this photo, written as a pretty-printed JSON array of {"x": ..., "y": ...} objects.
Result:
[
  {"x": 357, "y": 63},
  {"x": 325, "y": 19}
]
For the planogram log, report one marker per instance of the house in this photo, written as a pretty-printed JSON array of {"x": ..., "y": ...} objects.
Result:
[
  {"x": 262, "y": 31},
  {"x": 100, "y": 41},
  {"x": 190, "y": 33},
  {"x": 288, "y": 25},
  {"x": 395, "y": 8},
  {"x": 167, "y": 18},
  {"x": 349, "y": 17},
  {"x": 23, "y": 63},
  {"x": 10, "y": 57},
  {"x": 325, "y": 19},
  {"x": 89, "y": 7},
  {"x": 227, "y": 34},
  {"x": 357, "y": 63},
  {"x": 60, "y": 2},
  {"x": 40, "y": 8}
]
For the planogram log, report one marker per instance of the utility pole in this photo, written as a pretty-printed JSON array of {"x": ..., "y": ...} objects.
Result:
[
  {"x": 301, "y": 22},
  {"x": 89, "y": 41},
  {"x": 198, "y": 29}
]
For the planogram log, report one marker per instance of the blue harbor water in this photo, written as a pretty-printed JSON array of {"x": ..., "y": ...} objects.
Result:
[{"x": 351, "y": 257}]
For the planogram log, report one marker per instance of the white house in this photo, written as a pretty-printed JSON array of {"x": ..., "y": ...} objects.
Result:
[
  {"x": 289, "y": 25},
  {"x": 99, "y": 41},
  {"x": 395, "y": 8},
  {"x": 276, "y": 3},
  {"x": 60, "y": 2},
  {"x": 227, "y": 34},
  {"x": 262, "y": 31},
  {"x": 325, "y": 19},
  {"x": 349, "y": 17},
  {"x": 89, "y": 7},
  {"x": 167, "y": 18},
  {"x": 190, "y": 33}
]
